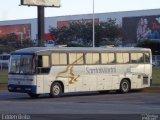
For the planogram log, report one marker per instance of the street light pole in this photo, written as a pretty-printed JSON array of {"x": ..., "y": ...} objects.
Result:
[
  {"x": 40, "y": 26},
  {"x": 93, "y": 27}
]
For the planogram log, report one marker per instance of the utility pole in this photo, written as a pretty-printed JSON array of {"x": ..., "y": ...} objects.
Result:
[
  {"x": 93, "y": 27},
  {"x": 40, "y": 25}
]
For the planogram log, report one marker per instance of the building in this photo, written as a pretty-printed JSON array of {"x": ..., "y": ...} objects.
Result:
[{"x": 129, "y": 20}]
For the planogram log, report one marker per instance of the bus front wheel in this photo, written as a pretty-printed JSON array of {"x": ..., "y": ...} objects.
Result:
[
  {"x": 125, "y": 86},
  {"x": 56, "y": 90}
]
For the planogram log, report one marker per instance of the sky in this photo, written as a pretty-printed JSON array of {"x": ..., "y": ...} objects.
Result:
[{"x": 12, "y": 10}]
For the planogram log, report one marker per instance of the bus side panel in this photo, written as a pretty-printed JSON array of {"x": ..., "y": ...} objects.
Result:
[
  {"x": 115, "y": 82},
  {"x": 101, "y": 81},
  {"x": 104, "y": 82},
  {"x": 148, "y": 70},
  {"x": 136, "y": 81},
  {"x": 76, "y": 86},
  {"x": 137, "y": 68},
  {"x": 89, "y": 83}
]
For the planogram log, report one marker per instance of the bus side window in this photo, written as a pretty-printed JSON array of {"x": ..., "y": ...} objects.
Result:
[
  {"x": 147, "y": 57},
  {"x": 122, "y": 57},
  {"x": 95, "y": 58},
  {"x": 92, "y": 58},
  {"x": 111, "y": 57},
  {"x": 104, "y": 58},
  {"x": 140, "y": 57},
  {"x": 125, "y": 57},
  {"x": 107, "y": 58},
  {"x": 137, "y": 58},
  {"x": 76, "y": 58},
  {"x": 80, "y": 58},
  {"x": 59, "y": 59},
  {"x": 43, "y": 64},
  {"x": 119, "y": 57},
  {"x": 45, "y": 60},
  {"x": 88, "y": 58},
  {"x": 133, "y": 57}
]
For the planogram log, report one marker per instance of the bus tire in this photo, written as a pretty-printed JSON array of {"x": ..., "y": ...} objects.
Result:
[
  {"x": 125, "y": 86},
  {"x": 56, "y": 90},
  {"x": 32, "y": 95}
]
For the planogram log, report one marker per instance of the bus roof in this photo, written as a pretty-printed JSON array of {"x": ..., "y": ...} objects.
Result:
[{"x": 34, "y": 50}]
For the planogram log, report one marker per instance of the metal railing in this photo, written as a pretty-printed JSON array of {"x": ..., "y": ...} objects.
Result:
[{"x": 3, "y": 66}]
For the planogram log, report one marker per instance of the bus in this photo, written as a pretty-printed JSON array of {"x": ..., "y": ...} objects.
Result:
[{"x": 58, "y": 70}]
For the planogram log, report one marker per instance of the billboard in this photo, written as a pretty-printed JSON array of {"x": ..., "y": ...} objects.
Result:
[
  {"x": 22, "y": 31},
  {"x": 47, "y": 3},
  {"x": 137, "y": 29},
  {"x": 61, "y": 24},
  {"x": 49, "y": 36}
]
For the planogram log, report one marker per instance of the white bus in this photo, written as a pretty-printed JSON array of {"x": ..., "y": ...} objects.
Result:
[{"x": 40, "y": 70}]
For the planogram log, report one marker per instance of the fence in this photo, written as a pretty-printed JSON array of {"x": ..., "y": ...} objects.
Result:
[
  {"x": 3, "y": 76},
  {"x": 3, "y": 66}
]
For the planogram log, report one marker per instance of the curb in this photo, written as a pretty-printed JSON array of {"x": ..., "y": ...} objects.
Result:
[{"x": 151, "y": 90}]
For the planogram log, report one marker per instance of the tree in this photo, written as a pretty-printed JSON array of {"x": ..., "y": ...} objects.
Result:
[
  {"x": 81, "y": 33},
  {"x": 7, "y": 38},
  {"x": 108, "y": 33},
  {"x": 10, "y": 42}
]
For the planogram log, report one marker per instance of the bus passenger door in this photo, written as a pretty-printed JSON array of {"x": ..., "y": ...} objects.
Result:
[
  {"x": 40, "y": 83},
  {"x": 42, "y": 70}
]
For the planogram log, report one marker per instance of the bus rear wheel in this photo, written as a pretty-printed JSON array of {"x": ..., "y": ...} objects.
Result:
[
  {"x": 32, "y": 95},
  {"x": 125, "y": 86},
  {"x": 56, "y": 90}
]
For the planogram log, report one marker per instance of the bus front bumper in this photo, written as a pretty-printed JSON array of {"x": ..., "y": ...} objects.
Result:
[{"x": 22, "y": 88}]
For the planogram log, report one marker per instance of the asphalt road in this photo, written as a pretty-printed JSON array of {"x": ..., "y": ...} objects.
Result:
[{"x": 91, "y": 103}]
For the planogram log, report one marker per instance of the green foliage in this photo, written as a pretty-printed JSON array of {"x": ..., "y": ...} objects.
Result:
[
  {"x": 82, "y": 33},
  {"x": 156, "y": 76},
  {"x": 152, "y": 44},
  {"x": 3, "y": 76},
  {"x": 8, "y": 38},
  {"x": 9, "y": 42},
  {"x": 6, "y": 49}
]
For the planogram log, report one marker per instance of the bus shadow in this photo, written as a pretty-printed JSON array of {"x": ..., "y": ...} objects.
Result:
[{"x": 66, "y": 95}]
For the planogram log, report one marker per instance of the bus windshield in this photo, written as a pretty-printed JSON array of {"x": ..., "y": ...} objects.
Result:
[{"x": 22, "y": 64}]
